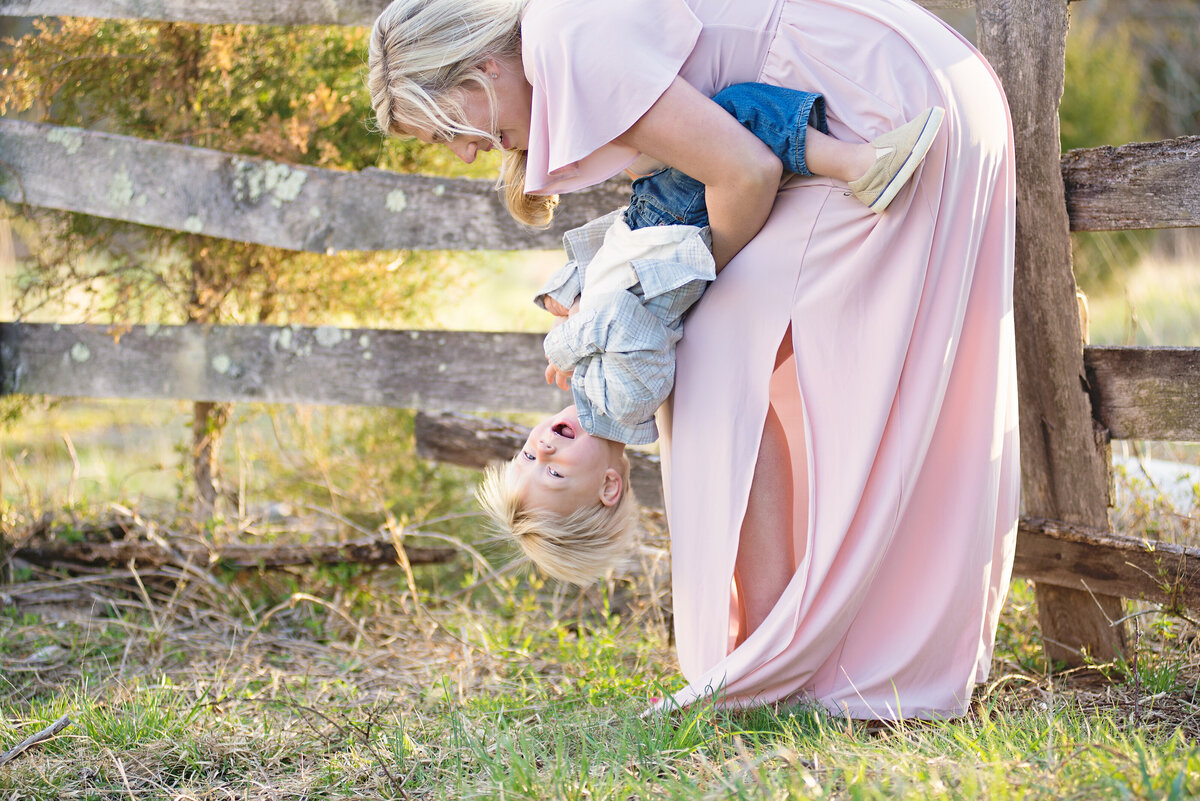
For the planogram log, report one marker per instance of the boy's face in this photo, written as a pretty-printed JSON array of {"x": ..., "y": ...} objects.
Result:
[{"x": 562, "y": 468}]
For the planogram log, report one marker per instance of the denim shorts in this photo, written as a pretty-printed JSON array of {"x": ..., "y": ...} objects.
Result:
[
  {"x": 666, "y": 197},
  {"x": 778, "y": 116}
]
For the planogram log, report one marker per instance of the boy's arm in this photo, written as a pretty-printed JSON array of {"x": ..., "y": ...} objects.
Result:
[
  {"x": 563, "y": 288},
  {"x": 622, "y": 355},
  {"x": 554, "y": 307},
  {"x": 560, "y": 378}
]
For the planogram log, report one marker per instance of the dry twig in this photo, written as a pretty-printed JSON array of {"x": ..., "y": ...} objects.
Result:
[{"x": 45, "y": 734}]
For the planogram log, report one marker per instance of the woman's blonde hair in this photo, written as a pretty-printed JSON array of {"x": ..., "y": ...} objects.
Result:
[
  {"x": 580, "y": 547},
  {"x": 423, "y": 52}
]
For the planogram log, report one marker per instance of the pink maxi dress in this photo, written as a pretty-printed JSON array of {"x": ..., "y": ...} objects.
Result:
[{"x": 900, "y": 400}]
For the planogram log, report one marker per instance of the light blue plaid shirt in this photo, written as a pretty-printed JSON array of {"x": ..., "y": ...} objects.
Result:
[{"x": 622, "y": 351}]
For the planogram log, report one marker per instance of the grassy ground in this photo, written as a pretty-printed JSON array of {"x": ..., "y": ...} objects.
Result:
[
  {"x": 346, "y": 684},
  {"x": 1157, "y": 302}
]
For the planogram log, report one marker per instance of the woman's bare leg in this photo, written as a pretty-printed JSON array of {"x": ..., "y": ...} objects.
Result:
[{"x": 764, "y": 559}]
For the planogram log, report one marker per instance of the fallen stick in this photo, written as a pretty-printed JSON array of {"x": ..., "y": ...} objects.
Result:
[
  {"x": 147, "y": 553},
  {"x": 45, "y": 734}
]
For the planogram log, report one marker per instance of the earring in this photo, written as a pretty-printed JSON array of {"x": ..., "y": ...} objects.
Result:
[{"x": 494, "y": 75}]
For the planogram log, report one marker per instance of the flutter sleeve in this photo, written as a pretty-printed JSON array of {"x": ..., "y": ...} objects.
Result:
[{"x": 596, "y": 68}]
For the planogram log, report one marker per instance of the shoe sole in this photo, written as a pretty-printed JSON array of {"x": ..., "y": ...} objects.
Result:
[{"x": 924, "y": 141}]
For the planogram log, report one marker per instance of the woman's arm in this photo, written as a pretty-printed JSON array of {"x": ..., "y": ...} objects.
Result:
[{"x": 740, "y": 174}]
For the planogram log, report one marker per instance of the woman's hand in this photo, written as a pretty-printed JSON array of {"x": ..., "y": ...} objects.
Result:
[{"x": 740, "y": 174}]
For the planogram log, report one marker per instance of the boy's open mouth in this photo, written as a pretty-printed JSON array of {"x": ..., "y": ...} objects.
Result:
[{"x": 564, "y": 430}]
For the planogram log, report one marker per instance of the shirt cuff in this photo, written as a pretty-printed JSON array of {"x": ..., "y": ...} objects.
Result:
[
  {"x": 601, "y": 425},
  {"x": 564, "y": 286},
  {"x": 564, "y": 346}
]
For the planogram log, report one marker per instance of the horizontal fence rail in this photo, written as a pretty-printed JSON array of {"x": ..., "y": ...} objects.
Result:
[
  {"x": 321, "y": 210},
  {"x": 252, "y": 199},
  {"x": 1146, "y": 393},
  {"x": 1103, "y": 563},
  {"x": 1137, "y": 393},
  {"x": 249, "y": 199},
  {"x": 466, "y": 371},
  {"x": 1141, "y": 185},
  {"x": 151, "y": 553},
  {"x": 294, "y": 12},
  {"x": 217, "y": 12}
]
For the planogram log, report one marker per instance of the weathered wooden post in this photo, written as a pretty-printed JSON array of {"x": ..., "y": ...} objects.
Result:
[
  {"x": 5, "y": 546},
  {"x": 1064, "y": 462}
]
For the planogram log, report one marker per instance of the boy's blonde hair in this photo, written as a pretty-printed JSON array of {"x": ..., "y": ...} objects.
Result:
[
  {"x": 422, "y": 52},
  {"x": 580, "y": 547}
]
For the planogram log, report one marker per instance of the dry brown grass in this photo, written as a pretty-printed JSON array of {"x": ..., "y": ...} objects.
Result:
[{"x": 296, "y": 684}]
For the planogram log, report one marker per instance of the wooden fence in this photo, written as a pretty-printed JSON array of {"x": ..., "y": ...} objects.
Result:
[{"x": 1073, "y": 399}]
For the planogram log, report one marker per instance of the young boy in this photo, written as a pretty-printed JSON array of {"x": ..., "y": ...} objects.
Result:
[
  {"x": 620, "y": 299},
  {"x": 565, "y": 499}
]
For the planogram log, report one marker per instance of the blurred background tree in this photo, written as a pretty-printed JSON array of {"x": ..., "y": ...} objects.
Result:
[
  {"x": 1102, "y": 102},
  {"x": 293, "y": 94},
  {"x": 1132, "y": 75},
  {"x": 1164, "y": 36}
]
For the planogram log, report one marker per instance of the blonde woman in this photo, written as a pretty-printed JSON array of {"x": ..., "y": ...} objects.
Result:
[{"x": 840, "y": 451}]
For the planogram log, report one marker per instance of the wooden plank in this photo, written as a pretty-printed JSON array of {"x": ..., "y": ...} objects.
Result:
[
  {"x": 474, "y": 442},
  {"x": 1061, "y": 555},
  {"x": 1089, "y": 561},
  {"x": 147, "y": 553},
  {"x": 1151, "y": 185},
  {"x": 432, "y": 370},
  {"x": 295, "y": 12},
  {"x": 1141, "y": 185},
  {"x": 1146, "y": 393},
  {"x": 270, "y": 203},
  {"x": 1137, "y": 393},
  {"x": 218, "y": 12},
  {"x": 1064, "y": 470}
]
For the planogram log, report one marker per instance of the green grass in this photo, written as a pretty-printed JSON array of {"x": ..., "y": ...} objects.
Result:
[
  {"x": 67, "y": 452},
  {"x": 1155, "y": 302},
  {"x": 527, "y": 692}
]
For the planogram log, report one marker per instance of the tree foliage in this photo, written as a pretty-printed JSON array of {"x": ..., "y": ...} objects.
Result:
[
  {"x": 1132, "y": 75},
  {"x": 1164, "y": 39},
  {"x": 1102, "y": 101},
  {"x": 292, "y": 94}
]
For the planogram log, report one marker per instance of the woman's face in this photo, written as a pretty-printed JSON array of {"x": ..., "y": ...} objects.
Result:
[{"x": 514, "y": 101}]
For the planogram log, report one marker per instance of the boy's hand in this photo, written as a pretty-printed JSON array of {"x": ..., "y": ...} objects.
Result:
[
  {"x": 554, "y": 307},
  {"x": 559, "y": 377}
]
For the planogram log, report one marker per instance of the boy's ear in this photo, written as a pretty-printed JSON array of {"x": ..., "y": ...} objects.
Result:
[{"x": 610, "y": 491}]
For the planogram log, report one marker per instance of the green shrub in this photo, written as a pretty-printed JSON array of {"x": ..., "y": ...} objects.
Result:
[{"x": 1102, "y": 104}]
